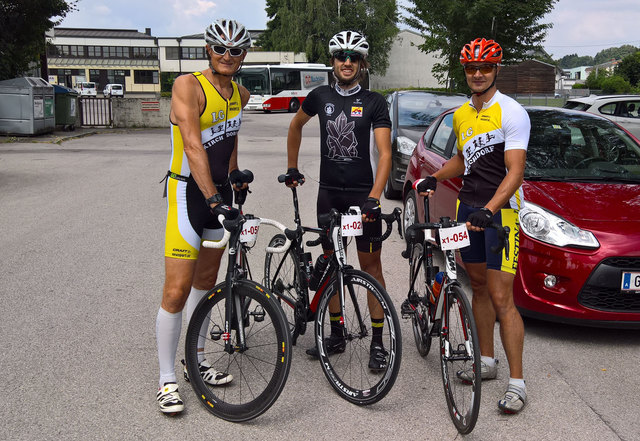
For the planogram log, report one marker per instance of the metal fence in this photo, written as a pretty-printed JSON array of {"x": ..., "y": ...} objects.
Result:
[{"x": 96, "y": 112}]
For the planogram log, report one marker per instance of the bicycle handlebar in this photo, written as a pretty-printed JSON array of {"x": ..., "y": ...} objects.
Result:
[
  {"x": 233, "y": 225},
  {"x": 246, "y": 176},
  {"x": 445, "y": 222}
]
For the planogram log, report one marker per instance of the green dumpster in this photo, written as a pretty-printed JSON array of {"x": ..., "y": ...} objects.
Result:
[{"x": 66, "y": 107}]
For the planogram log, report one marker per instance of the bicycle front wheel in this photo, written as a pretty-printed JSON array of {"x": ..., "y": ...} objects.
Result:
[
  {"x": 281, "y": 278},
  {"x": 346, "y": 360},
  {"x": 259, "y": 367},
  {"x": 460, "y": 352},
  {"x": 420, "y": 321}
]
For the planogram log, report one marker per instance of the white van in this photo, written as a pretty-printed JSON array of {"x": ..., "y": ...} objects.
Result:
[
  {"x": 113, "y": 90},
  {"x": 87, "y": 88}
]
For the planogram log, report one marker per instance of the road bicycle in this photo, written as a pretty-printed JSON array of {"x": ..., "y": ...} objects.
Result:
[
  {"x": 287, "y": 276},
  {"x": 446, "y": 314},
  {"x": 242, "y": 329}
]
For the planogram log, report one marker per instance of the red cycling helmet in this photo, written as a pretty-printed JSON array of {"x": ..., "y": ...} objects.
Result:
[{"x": 487, "y": 51}]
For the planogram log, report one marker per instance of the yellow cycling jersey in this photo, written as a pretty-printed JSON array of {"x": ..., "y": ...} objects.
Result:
[
  {"x": 219, "y": 124},
  {"x": 483, "y": 137}
]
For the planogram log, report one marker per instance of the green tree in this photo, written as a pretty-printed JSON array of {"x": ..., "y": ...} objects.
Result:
[
  {"x": 615, "y": 84},
  {"x": 22, "y": 27},
  {"x": 596, "y": 78},
  {"x": 629, "y": 68},
  {"x": 573, "y": 60},
  {"x": 614, "y": 53},
  {"x": 447, "y": 26},
  {"x": 307, "y": 25}
]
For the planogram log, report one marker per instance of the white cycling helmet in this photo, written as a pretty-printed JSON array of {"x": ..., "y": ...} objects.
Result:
[
  {"x": 228, "y": 33},
  {"x": 349, "y": 41}
]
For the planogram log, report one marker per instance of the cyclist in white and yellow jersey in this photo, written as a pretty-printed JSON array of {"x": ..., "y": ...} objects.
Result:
[
  {"x": 493, "y": 133},
  {"x": 206, "y": 113}
]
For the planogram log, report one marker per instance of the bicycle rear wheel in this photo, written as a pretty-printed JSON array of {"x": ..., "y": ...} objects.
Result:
[
  {"x": 281, "y": 278},
  {"x": 460, "y": 351},
  {"x": 420, "y": 321},
  {"x": 348, "y": 369},
  {"x": 259, "y": 370}
]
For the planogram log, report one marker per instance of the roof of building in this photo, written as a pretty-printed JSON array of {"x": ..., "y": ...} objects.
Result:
[{"x": 102, "y": 33}]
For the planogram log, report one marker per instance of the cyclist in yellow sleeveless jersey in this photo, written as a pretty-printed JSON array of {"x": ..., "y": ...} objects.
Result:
[
  {"x": 206, "y": 113},
  {"x": 493, "y": 134}
]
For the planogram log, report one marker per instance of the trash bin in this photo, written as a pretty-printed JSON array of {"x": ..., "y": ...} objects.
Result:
[
  {"x": 27, "y": 106},
  {"x": 66, "y": 107}
]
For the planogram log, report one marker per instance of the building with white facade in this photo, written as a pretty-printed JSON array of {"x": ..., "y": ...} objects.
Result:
[{"x": 409, "y": 67}]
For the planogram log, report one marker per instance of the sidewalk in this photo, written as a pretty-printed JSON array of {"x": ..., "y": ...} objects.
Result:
[{"x": 55, "y": 137}]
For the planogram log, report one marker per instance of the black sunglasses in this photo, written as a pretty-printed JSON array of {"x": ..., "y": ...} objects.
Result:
[
  {"x": 221, "y": 50},
  {"x": 343, "y": 55}
]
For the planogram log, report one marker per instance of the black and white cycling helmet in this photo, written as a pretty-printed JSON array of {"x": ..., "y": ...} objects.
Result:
[
  {"x": 349, "y": 41},
  {"x": 227, "y": 33}
]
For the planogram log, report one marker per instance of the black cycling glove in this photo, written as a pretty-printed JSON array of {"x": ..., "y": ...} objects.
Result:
[
  {"x": 482, "y": 218},
  {"x": 293, "y": 175},
  {"x": 426, "y": 184},
  {"x": 227, "y": 211},
  {"x": 371, "y": 208}
]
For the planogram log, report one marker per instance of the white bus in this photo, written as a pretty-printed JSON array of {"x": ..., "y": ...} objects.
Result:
[{"x": 281, "y": 86}]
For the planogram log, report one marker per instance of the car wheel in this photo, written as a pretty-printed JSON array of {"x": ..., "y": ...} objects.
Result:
[
  {"x": 410, "y": 212},
  {"x": 389, "y": 192},
  {"x": 294, "y": 105}
]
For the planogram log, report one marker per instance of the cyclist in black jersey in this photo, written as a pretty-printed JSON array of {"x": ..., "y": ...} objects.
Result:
[
  {"x": 353, "y": 122},
  {"x": 493, "y": 134},
  {"x": 206, "y": 111}
]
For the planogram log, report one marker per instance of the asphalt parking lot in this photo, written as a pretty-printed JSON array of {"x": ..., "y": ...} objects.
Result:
[{"x": 81, "y": 232}]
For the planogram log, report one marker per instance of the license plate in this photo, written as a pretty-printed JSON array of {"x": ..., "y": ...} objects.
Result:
[{"x": 630, "y": 282}]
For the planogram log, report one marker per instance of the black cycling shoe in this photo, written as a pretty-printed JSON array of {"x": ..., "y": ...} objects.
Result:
[
  {"x": 377, "y": 358},
  {"x": 333, "y": 345}
]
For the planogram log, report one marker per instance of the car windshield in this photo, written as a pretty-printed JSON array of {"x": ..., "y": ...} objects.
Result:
[
  {"x": 570, "y": 146},
  {"x": 420, "y": 109}
]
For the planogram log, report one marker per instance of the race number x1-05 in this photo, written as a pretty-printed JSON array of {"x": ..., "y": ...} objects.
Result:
[
  {"x": 250, "y": 230},
  {"x": 453, "y": 238}
]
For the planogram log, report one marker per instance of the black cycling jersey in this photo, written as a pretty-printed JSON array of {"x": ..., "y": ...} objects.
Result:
[{"x": 347, "y": 119}]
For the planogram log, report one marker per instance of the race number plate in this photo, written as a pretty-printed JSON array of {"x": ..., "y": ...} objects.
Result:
[
  {"x": 630, "y": 282},
  {"x": 351, "y": 225},
  {"x": 250, "y": 231},
  {"x": 454, "y": 237}
]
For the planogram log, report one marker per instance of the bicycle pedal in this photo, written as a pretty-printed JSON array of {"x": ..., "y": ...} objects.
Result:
[
  {"x": 215, "y": 333},
  {"x": 258, "y": 314}
]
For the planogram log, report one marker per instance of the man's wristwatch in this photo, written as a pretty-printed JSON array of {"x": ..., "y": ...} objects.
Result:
[{"x": 215, "y": 199}]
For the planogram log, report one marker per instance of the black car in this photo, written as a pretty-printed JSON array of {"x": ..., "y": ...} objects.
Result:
[{"x": 411, "y": 112}]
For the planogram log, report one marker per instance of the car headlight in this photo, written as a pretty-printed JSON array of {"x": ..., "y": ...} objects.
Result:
[
  {"x": 405, "y": 145},
  {"x": 540, "y": 224}
]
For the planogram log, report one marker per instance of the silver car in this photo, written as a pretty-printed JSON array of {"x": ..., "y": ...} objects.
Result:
[{"x": 623, "y": 109}]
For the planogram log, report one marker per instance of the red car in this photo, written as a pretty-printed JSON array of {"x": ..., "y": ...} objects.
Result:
[{"x": 579, "y": 257}]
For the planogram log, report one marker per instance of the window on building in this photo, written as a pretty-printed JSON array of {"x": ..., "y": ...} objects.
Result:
[
  {"x": 193, "y": 53},
  {"x": 94, "y": 75},
  {"x": 171, "y": 53},
  {"x": 145, "y": 52},
  {"x": 145, "y": 76},
  {"x": 94, "y": 52}
]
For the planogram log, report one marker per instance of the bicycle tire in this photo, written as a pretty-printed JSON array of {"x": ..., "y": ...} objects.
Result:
[
  {"x": 459, "y": 337},
  {"x": 259, "y": 372},
  {"x": 348, "y": 372},
  {"x": 421, "y": 319},
  {"x": 283, "y": 280}
]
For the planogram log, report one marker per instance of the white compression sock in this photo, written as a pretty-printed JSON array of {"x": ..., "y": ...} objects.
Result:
[
  {"x": 192, "y": 301},
  {"x": 167, "y": 335},
  {"x": 489, "y": 361},
  {"x": 518, "y": 382}
]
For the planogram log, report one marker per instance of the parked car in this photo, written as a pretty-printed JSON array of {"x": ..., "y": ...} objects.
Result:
[
  {"x": 87, "y": 88},
  {"x": 623, "y": 109},
  {"x": 579, "y": 252},
  {"x": 113, "y": 90},
  {"x": 411, "y": 112}
]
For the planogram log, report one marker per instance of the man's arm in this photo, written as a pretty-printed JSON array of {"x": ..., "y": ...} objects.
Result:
[
  {"x": 382, "y": 136},
  {"x": 185, "y": 112},
  {"x": 294, "y": 137}
]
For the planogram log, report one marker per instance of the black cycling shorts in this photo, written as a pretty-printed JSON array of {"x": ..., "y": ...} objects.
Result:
[{"x": 341, "y": 200}]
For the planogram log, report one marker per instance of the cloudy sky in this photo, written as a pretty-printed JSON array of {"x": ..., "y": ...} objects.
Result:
[{"x": 579, "y": 26}]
